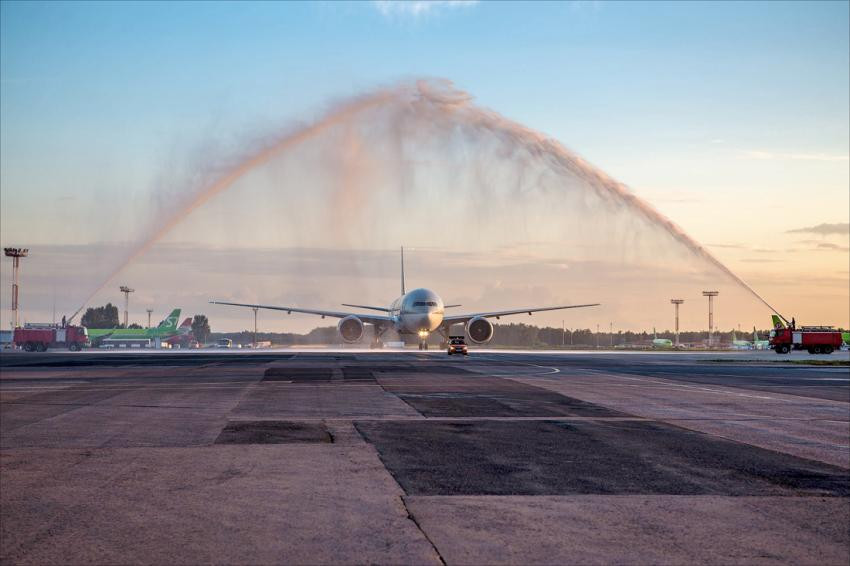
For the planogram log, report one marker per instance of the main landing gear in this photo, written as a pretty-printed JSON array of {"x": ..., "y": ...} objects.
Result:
[{"x": 377, "y": 343}]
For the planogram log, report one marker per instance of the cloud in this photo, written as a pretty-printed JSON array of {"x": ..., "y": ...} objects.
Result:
[
  {"x": 830, "y": 246},
  {"x": 839, "y": 228},
  {"x": 418, "y": 8},
  {"x": 730, "y": 246},
  {"x": 764, "y": 155}
]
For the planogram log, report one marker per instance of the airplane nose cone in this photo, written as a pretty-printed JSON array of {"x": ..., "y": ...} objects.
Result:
[
  {"x": 427, "y": 321},
  {"x": 434, "y": 319}
]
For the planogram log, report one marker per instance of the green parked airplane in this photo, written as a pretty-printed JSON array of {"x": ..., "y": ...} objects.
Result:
[
  {"x": 166, "y": 329},
  {"x": 660, "y": 342}
]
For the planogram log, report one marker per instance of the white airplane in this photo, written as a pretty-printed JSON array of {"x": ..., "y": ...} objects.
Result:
[{"x": 419, "y": 312}]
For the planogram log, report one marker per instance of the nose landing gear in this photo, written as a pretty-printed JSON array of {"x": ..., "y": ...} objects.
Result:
[{"x": 423, "y": 340}]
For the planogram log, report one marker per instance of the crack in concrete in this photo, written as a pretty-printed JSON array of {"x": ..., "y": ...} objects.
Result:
[{"x": 421, "y": 530}]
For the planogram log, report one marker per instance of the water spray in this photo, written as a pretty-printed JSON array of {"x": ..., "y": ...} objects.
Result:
[
  {"x": 438, "y": 102},
  {"x": 260, "y": 157}
]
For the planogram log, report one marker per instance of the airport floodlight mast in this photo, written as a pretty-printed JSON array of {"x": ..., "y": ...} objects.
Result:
[
  {"x": 16, "y": 254},
  {"x": 150, "y": 312},
  {"x": 126, "y": 290},
  {"x": 710, "y": 295},
  {"x": 255, "y": 326},
  {"x": 676, "y": 303}
]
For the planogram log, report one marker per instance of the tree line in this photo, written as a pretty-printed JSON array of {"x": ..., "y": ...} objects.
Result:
[
  {"x": 103, "y": 317},
  {"x": 506, "y": 335}
]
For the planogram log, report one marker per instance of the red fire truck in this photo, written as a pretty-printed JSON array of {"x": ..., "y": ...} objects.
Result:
[
  {"x": 814, "y": 339},
  {"x": 40, "y": 337}
]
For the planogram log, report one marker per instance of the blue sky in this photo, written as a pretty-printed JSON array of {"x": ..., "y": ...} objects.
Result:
[{"x": 696, "y": 106}]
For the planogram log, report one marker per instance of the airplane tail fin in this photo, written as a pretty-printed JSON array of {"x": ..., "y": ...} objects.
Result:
[
  {"x": 186, "y": 326},
  {"x": 402, "y": 271},
  {"x": 777, "y": 322},
  {"x": 170, "y": 322}
]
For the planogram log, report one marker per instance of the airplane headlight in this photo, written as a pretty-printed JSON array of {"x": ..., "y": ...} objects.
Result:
[{"x": 423, "y": 334}]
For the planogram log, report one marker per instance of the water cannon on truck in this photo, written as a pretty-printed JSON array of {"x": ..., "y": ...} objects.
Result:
[{"x": 813, "y": 339}]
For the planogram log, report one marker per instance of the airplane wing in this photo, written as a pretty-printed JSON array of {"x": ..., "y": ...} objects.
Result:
[
  {"x": 367, "y": 318},
  {"x": 457, "y": 319},
  {"x": 382, "y": 309}
]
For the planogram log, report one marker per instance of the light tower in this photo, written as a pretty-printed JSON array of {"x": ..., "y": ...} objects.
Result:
[
  {"x": 710, "y": 295},
  {"x": 126, "y": 290},
  {"x": 676, "y": 303},
  {"x": 150, "y": 312},
  {"x": 16, "y": 254},
  {"x": 255, "y": 326}
]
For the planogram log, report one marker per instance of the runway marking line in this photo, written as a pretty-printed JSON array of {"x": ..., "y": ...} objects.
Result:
[{"x": 686, "y": 386}]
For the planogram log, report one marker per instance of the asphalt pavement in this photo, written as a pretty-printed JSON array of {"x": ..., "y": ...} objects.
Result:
[{"x": 350, "y": 456}]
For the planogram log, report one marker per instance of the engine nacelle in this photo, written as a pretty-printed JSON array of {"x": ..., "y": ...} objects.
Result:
[
  {"x": 479, "y": 330},
  {"x": 350, "y": 328}
]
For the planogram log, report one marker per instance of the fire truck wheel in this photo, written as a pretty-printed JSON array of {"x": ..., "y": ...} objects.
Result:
[
  {"x": 28, "y": 347},
  {"x": 817, "y": 350},
  {"x": 74, "y": 347},
  {"x": 784, "y": 349},
  {"x": 827, "y": 349}
]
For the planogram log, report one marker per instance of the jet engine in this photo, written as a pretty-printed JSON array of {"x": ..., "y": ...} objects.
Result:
[
  {"x": 479, "y": 330},
  {"x": 350, "y": 328}
]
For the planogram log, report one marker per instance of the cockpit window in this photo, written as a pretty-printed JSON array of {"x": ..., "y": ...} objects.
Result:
[{"x": 425, "y": 304}]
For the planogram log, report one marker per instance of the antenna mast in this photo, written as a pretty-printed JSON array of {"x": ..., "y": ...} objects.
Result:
[{"x": 402, "y": 271}]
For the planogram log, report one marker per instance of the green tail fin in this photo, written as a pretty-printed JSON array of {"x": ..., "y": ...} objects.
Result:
[
  {"x": 777, "y": 322},
  {"x": 170, "y": 322}
]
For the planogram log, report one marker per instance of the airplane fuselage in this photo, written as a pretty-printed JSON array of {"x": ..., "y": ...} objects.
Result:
[{"x": 420, "y": 310}]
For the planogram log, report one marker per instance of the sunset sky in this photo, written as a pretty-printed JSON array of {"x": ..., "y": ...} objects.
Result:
[{"x": 730, "y": 118}]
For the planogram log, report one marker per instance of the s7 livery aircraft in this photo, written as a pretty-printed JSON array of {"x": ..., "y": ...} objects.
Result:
[
  {"x": 420, "y": 312},
  {"x": 165, "y": 329}
]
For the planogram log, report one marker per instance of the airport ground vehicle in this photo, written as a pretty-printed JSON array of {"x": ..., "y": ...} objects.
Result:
[
  {"x": 40, "y": 337},
  {"x": 814, "y": 339},
  {"x": 457, "y": 345}
]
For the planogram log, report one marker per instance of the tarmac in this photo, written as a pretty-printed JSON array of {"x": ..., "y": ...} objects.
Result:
[{"x": 388, "y": 457}]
